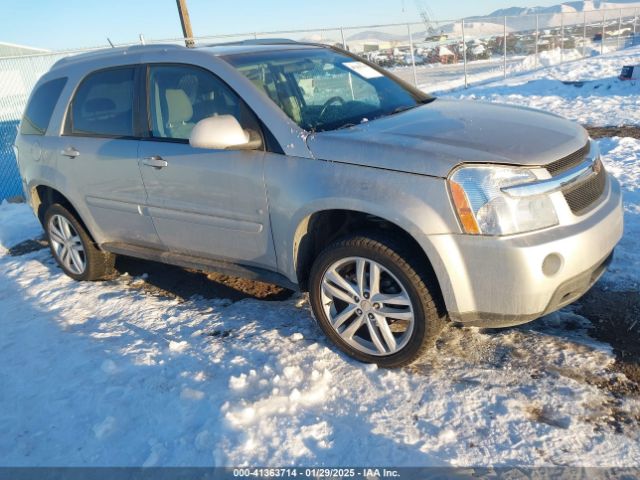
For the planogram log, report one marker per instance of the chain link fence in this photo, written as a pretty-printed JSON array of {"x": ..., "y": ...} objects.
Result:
[
  {"x": 18, "y": 75},
  {"x": 436, "y": 56}
]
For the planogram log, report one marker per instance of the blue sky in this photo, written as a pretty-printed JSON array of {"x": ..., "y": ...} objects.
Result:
[{"x": 83, "y": 23}]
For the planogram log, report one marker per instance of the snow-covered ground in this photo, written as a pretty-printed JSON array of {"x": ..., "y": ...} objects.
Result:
[
  {"x": 598, "y": 98},
  {"x": 437, "y": 78},
  {"x": 622, "y": 157},
  {"x": 108, "y": 373}
]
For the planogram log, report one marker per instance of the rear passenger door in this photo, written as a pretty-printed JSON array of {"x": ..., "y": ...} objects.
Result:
[
  {"x": 36, "y": 141},
  {"x": 208, "y": 203},
  {"x": 99, "y": 154}
]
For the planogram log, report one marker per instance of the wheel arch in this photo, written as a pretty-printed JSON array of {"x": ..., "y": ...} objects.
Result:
[
  {"x": 43, "y": 196},
  {"x": 318, "y": 229}
]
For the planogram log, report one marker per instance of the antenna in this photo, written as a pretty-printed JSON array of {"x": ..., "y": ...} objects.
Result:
[{"x": 110, "y": 43}]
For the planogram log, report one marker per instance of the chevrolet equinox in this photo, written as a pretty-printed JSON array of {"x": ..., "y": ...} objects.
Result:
[{"x": 309, "y": 167}]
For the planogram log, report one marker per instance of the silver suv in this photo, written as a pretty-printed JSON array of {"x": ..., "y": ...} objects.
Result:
[{"x": 309, "y": 167}]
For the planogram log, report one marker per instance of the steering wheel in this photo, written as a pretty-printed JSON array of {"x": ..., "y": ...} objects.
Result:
[{"x": 330, "y": 102}]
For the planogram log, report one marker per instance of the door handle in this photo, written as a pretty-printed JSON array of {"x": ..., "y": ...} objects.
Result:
[
  {"x": 155, "y": 161},
  {"x": 70, "y": 152}
]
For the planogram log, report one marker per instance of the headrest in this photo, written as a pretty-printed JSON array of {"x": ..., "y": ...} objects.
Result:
[
  {"x": 178, "y": 106},
  {"x": 101, "y": 104}
]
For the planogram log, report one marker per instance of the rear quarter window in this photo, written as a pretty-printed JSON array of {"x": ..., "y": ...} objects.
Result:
[
  {"x": 104, "y": 104},
  {"x": 38, "y": 113}
]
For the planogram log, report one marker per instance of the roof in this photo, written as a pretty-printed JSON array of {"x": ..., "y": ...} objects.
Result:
[
  {"x": 234, "y": 48},
  {"x": 112, "y": 52},
  {"x": 14, "y": 50},
  {"x": 445, "y": 52},
  {"x": 240, "y": 48}
]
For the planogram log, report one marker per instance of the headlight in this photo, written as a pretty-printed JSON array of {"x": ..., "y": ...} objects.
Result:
[{"x": 483, "y": 209}]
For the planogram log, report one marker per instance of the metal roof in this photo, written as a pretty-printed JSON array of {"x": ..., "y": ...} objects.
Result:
[{"x": 14, "y": 50}]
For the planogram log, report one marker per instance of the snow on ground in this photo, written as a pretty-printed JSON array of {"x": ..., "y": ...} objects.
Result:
[
  {"x": 602, "y": 99},
  {"x": 622, "y": 159},
  {"x": 108, "y": 374},
  {"x": 16, "y": 224},
  {"x": 437, "y": 78}
]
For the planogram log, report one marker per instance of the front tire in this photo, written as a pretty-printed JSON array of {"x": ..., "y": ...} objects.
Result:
[
  {"x": 376, "y": 300},
  {"x": 73, "y": 249}
]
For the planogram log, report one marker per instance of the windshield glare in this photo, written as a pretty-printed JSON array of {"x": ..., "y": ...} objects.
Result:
[{"x": 321, "y": 89}]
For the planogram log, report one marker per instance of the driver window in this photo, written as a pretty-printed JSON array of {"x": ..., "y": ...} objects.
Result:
[{"x": 180, "y": 96}]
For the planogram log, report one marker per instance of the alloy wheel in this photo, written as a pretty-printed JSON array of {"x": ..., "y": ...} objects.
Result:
[
  {"x": 367, "y": 306},
  {"x": 67, "y": 245}
]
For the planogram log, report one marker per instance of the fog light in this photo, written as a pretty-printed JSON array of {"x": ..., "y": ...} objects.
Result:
[{"x": 552, "y": 264}]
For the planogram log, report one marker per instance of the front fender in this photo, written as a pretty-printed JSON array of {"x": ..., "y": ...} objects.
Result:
[{"x": 300, "y": 187}]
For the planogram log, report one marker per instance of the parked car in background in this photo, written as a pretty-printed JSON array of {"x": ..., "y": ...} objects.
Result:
[{"x": 309, "y": 167}]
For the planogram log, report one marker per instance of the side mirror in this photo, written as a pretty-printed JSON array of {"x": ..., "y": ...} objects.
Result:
[{"x": 222, "y": 132}]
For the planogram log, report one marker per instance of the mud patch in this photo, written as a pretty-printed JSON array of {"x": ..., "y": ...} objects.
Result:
[
  {"x": 615, "y": 318},
  {"x": 544, "y": 414},
  {"x": 471, "y": 345},
  {"x": 175, "y": 282},
  {"x": 612, "y": 414},
  {"x": 28, "y": 246},
  {"x": 623, "y": 131}
]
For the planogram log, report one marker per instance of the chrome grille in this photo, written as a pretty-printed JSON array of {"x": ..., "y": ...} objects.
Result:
[
  {"x": 583, "y": 197},
  {"x": 569, "y": 161}
]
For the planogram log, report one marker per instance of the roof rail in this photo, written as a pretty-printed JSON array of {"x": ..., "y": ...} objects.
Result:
[
  {"x": 106, "y": 52},
  {"x": 258, "y": 41}
]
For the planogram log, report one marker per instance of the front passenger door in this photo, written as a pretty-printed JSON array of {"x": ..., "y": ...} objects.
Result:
[{"x": 208, "y": 203}]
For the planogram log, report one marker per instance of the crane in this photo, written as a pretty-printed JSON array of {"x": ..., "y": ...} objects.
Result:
[{"x": 427, "y": 16}]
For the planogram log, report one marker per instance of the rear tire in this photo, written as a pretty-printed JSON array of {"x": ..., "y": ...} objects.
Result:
[
  {"x": 73, "y": 249},
  {"x": 376, "y": 299}
]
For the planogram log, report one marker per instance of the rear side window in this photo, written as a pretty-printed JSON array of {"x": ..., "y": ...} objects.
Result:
[
  {"x": 38, "y": 114},
  {"x": 103, "y": 105}
]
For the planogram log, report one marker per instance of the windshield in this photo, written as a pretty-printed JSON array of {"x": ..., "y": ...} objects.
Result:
[{"x": 321, "y": 89}]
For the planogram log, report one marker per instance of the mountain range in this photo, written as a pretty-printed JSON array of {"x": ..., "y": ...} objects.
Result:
[
  {"x": 519, "y": 19},
  {"x": 567, "y": 7}
]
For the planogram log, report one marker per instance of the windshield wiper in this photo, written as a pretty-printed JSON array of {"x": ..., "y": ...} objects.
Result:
[
  {"x": 395, "y": 111},
  {"x": 346, "y": 125},
  {"x": 403, "y": 108}
]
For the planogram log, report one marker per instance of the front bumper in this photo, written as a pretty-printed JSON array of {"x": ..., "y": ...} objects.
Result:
[{"x": 499, "y": 281}]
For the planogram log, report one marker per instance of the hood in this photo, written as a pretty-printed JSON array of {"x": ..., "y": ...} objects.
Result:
[{"x": 434, "y": 138}]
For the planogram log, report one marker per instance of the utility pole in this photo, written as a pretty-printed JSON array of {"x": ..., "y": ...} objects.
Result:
[
  {"x": 185, "y": 21},
  {"x": 505, "y": 47}
]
